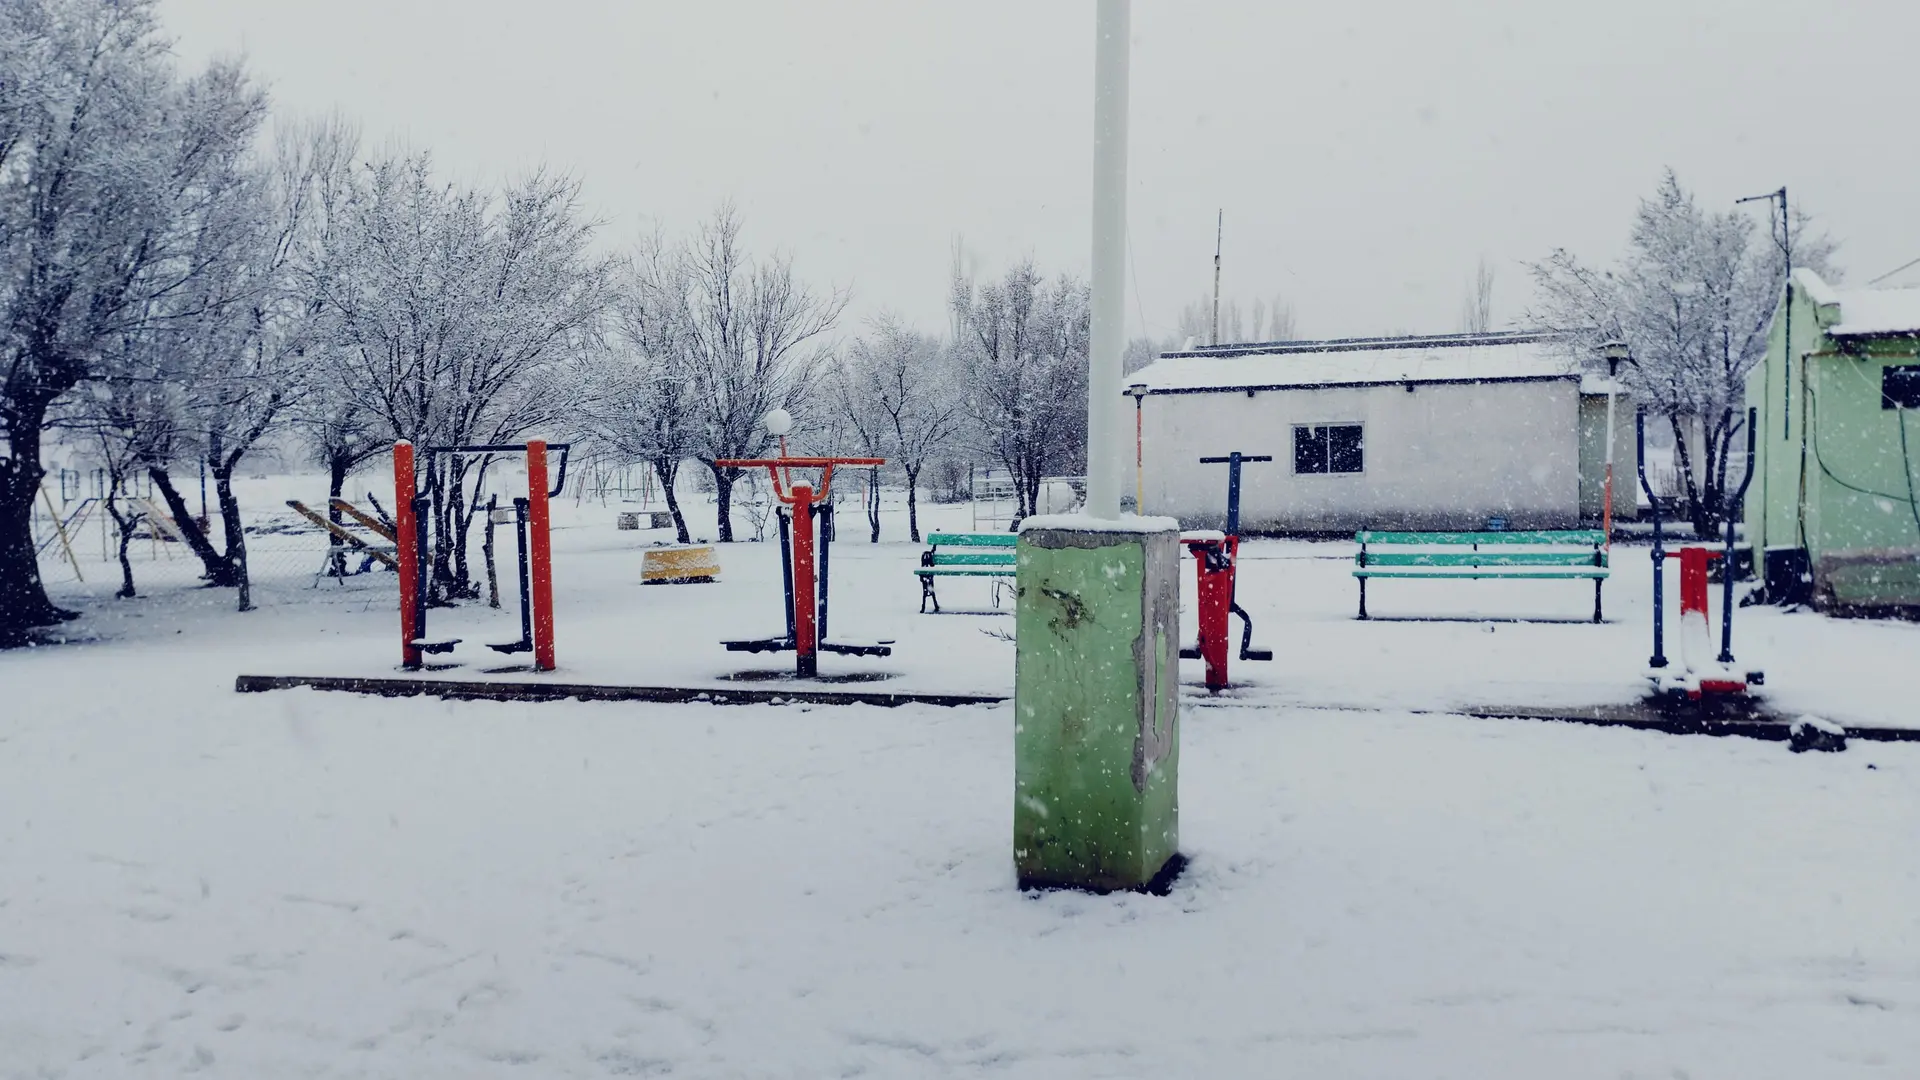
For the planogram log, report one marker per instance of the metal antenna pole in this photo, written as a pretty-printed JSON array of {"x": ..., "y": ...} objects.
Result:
[{"x": 1219, "y": 230}]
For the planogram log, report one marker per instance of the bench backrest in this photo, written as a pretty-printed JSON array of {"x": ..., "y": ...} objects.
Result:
[
  {"x": 1535, "y": 538},
  {"x": 985, "y": 540},
  {"x": 1554, "y": 547}
]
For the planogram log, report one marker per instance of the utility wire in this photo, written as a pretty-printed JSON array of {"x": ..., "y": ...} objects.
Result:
[{"x": 1895, "y": 270}]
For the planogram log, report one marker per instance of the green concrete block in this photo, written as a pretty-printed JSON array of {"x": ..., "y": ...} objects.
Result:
[{"x": 1096, "y": 705}]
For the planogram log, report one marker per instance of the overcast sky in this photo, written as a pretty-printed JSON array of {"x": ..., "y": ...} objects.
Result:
[{"x": 1366, "y": 155}]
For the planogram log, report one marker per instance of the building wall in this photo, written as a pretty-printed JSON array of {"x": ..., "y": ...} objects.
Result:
[
  {"x": 1821, "y": 426},
  {"x": 1593, "y": 459},
  {"x": 1439, "y": 456}
]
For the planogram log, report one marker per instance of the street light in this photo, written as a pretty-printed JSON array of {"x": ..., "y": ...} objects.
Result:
[
  {"x": 1138, "y": 392},
  {"x": 1615, "y": 352}
]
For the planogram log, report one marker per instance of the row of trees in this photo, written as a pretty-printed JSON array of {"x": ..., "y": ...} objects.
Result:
[{"x": 183, "y": 282}]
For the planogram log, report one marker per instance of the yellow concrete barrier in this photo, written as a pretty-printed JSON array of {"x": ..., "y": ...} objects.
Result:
[{"x": 672, "y": 566}]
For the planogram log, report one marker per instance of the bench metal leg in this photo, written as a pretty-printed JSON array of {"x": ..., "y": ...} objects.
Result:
[
  {"x": 926, "y": 594},
  {"x": 1363, "y": 596},
  {"x": 1596, "y": 598}
]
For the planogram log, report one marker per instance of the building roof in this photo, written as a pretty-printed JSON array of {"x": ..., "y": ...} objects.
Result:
[
  {"x": 1433, "y": 358},
  {"x": 1862, "y": 312}
]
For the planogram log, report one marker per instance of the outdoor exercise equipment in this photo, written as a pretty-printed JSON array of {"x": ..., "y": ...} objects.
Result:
[
  {"x": 805, "y": 577},
  {"x": 1216, "y": 562},
  {"x": 1701, "y": 672},
  {"x": 416, "y": 509}
]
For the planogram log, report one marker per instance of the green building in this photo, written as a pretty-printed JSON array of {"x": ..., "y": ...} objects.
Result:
[{"x": 1833, "y": 505}]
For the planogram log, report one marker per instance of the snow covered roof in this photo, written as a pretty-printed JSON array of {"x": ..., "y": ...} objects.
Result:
[
  {"x": 1433, "y": 358},
  {"x": 1861, "y": 312}
]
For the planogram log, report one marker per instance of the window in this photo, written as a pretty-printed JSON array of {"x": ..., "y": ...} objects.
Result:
[
  {"x": 1328, "y": 448},
  {"x": 1900, "y": 386}
]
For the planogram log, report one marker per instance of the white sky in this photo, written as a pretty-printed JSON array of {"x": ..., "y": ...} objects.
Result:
[{"x": 1366, "y": 154}]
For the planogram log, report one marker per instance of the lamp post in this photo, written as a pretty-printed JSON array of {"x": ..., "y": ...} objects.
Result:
[
  {"x": 1138, "y": 392},
  {"x": 1615, "y": 352}
]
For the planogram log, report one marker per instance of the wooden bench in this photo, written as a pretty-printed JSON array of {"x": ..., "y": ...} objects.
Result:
[
  {"x": 1543, "y": 553},
  {"x": 988, "y": 555}
]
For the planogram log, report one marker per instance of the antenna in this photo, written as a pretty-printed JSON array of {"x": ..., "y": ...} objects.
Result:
[
  {"x": 1219, "y": 228},
  {"x": 1785, "y": 243}
]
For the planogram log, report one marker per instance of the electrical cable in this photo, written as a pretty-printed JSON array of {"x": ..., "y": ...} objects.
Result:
[
  {"x": 1906, "y": 465},
  {"x": 1912, "y": 497}
]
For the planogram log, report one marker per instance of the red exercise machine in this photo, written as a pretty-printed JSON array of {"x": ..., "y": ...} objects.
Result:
[
  {"x": 414, "y": 512},
  {"x": 1701, "y": 674},
  {"x": 806, "y": 611},
  {"x": 1216, "y": 563}
]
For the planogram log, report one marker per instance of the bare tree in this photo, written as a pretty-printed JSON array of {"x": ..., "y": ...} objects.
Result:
[
  {"x": 641, "y": 403},
  {"x": 449, "y": 312},
  {"x": 896, "y": 389},
  {"x": 1476, "y": 310},
  {"x": 756, "y": 339},
  {"x": 1023, "y": 355},
  {"x": 107, "y": 162},
  {"x": 1694, "y": 299}
]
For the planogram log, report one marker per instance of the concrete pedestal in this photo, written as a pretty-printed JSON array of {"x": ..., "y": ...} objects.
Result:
[{"x": 1096, "y": 702}]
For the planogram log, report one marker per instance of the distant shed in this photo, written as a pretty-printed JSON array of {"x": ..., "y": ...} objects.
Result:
[{"x": 1453, "y": 431}]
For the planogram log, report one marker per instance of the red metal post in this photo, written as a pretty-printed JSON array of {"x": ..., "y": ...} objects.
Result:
[
  {"x": 406, "y": 541},
  {"x": 540, "y": 555},
  {"x": 1213, "y": 581},
  {"x": 806, "y": 613}
]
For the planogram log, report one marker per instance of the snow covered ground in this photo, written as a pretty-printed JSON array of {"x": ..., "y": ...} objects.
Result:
[{"x": 306, "y": 884}]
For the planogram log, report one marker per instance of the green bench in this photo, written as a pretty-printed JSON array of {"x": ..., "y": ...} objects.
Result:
[
  {"x": 1541, "y": 553},
  {"x": 987, "y": 555}
]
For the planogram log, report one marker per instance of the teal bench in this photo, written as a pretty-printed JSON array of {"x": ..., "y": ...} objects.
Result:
[
  {"x": 987, "y": 555},
  {"x": 1543, "y": 553}
]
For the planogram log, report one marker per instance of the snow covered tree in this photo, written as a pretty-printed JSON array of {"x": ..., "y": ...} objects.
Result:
[
  {"x": 1022, "y": 356},
  {"x": 640, "y": 402},
  {"x": 1693, "y": 299},
  {"x": 756, "y": 339},
  {"x": 450, "y": 313},
  {"x": 108, "y": 163},
  {"x": 895, "y": 388}
]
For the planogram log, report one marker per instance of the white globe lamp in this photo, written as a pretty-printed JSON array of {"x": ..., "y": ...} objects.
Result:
[{"x": 779, "y": 422}]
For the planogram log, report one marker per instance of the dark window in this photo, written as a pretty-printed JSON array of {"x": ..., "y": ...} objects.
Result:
[
  {"x": 1328, "y": 448},
  {"x": 1900, "y": 387}
]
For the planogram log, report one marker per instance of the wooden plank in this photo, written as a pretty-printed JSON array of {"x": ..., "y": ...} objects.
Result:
[
  {"x": 1514, "y": 575},
  {"x": 373, "y": 524},
  {"x": 1480, "y": 558},
  {"x": 973, "y": 558},
  {"x": 678, "y": 565},
  {"x": 973, "y": 539},
  {"x": 346, "y": 537},
  {"x": 1540, "y": 537},
  {"x": 478, "y": 690}
]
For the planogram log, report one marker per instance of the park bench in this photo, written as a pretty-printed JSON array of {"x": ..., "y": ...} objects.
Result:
[
  {"x": 1543, "y": 553},
  {"x": 988, "y": 555}
]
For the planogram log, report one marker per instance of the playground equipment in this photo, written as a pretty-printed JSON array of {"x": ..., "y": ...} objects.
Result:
[
  {"x": 806, "y": 578},
  {"x": 414, "y": 510},
  {"x": 1701, "y": 672},
  {"x": 1215, "y": 567}
]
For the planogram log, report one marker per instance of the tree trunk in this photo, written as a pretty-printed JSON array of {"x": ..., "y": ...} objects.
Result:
[
  {"x": 125, "y": 525},
  {"x": 913, "y": 507},
  {"x": 668, "y": 469},
  {"x": 236, "y": 535},
  {"x": 23, "y": 596},
  {"x": 873, "y": 507},
  {"x": 337, "y": 466},
  {"x": 723, "y": 500},
  {"x": 1684, "y": 466},
  {"x": 220, "y": 571}
]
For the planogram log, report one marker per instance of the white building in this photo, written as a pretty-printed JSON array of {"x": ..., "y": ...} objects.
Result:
[{"x": 1457, "y": 431}]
